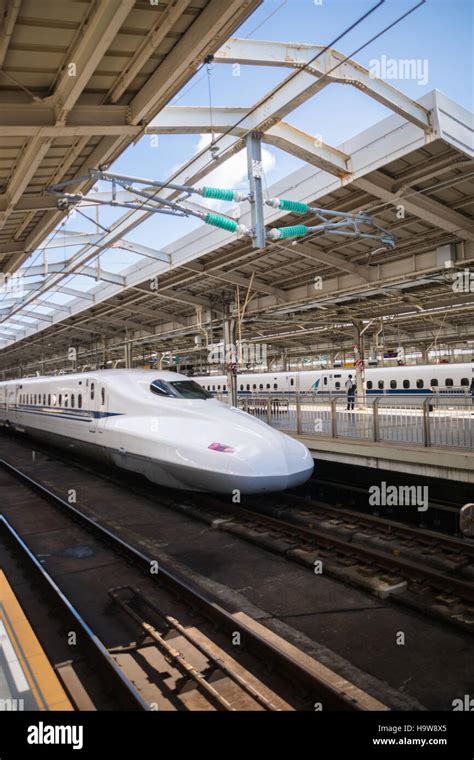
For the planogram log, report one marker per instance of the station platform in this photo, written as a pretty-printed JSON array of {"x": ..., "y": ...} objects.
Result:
[
  {"x": 431, "y": 439},
  {"x": 27, "y": 679}
]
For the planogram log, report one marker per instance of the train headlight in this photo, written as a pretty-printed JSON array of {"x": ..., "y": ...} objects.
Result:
[{"x": 221, "y": 447}]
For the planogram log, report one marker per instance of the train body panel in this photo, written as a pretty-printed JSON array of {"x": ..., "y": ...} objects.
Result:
[
  {"x": 408, "y": 381},
  {"x": 159, "y": 424}
]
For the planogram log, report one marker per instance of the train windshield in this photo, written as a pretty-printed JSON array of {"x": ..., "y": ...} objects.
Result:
[{"x": 179, "y": 389}]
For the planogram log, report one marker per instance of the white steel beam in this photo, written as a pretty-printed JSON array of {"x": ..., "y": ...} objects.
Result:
[{"x": 326, "y": 66}]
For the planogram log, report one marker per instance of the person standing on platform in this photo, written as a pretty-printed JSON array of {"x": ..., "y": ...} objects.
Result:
[{"x": 350, "y": 387}]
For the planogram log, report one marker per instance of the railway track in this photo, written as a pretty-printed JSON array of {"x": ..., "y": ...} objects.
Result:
[
  {"x": 424, "y": 570},
  {"x": 165, "y": 643}
]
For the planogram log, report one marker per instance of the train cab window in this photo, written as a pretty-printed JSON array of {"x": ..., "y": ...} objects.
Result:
[
  {"x": 464, "y": 381},
  {"x": 393, "y": 384},
  {"x": 275, "y": 386},
  {"x": 449, "y": 382},
  {"x": 72, "y": 401},
  {"x": 92, "y": 391},
  {"x": 420, "y": 383},
  {"x": 325, "y": 381},
  {"x": 434, "y": 382},
  {"x": 369, "y": 385},
  {"x": 79, "y": 400},
  {"x": 406, "y": 383}
]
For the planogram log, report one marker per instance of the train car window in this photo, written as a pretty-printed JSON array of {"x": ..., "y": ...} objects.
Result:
[
  {"x": 213, "y": 387},
  {"x": 369, "y": 385},
  {"x": 49, "y": 399},
  {"x": 44, "y": 399},
  {"x": 35, "y": 398},
  {"x": 72, "y": 401},
  {"x": 338, "y": 385},
  {"x": 268, "y": 386},
  {"x": 254, "y": 387},
  {"x": 248, "y": 387},
  {"x": 406, "y": 383},
  {"x": 79, "y": 400},
  {"x": 218, "y": 387},
  {"x": 464, "y": 381},
  {"x": 292, "y": 381},
  {"x": 224, "y": 388},
  {"x": 275, "y": 386},
  {"x": 325, "y": 381},
  {"x": 241, "y": 387},
  {"x": 449, "y": 382},
  {"x": 188, "y": 389},
  {"x": 60, "y": 399},
  {"x": 66, "y": 399},
  {"x": 102, "y": 396},
  {"x": 420, "y": 383},
  {"x": 92, "y": 391},
  {"x": 393, "y": 383},
  {"x": 160, "y": 388},
  {"x": 260, "y": 386},
  {"x": 54, "y": 399},
  {"x": 434, "y": 382}
]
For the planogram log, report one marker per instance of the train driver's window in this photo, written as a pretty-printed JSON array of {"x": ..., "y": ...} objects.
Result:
[
  {"x": 79, "y": 400},
  {"x": 464, "y": 381},
  {"x": 434, "y": 382},
  {"x": 325, "y": 381},
  {"x": 393, "y": 384},
  {"x": 72, "y": 401},
  {"x": 406, "y": 383},
  {"x": 369, "y": 385},
  {"x": 449, "y": 382},
  {"x": 92, "y": 391},
  {"x": 419, "y": 383}
]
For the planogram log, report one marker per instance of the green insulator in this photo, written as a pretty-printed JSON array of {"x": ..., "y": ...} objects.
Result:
[
  {"x": 295, "y": 231},
  {"x": 295, "y": 206},
  {"x": 218, "y": 193},
  {"x": 221, "y": 221}
]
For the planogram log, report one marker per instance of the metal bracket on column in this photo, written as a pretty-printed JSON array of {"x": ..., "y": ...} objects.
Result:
[{"x": 255, "y": 175}]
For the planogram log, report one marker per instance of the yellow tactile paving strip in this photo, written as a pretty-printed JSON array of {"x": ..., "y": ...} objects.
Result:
[{"x": 26, "y": 655}]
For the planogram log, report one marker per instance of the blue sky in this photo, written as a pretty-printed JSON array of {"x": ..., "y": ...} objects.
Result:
[{"x": 440, "y": 32}]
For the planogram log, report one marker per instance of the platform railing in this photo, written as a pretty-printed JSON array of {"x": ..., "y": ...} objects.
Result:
[{"x": 435, "y": 420}]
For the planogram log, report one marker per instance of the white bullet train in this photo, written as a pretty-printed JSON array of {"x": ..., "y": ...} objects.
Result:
[
  {"x": 160, "y": 424},
  {"x": 407, "y": 381}
]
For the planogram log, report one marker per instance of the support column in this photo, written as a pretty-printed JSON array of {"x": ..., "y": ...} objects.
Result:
[
  {"x": 128, "y": 355},
  {"x": 255, "y": 175},
  {"x": 230, "y": 354},
  {"x": 359, "y": 362}
]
